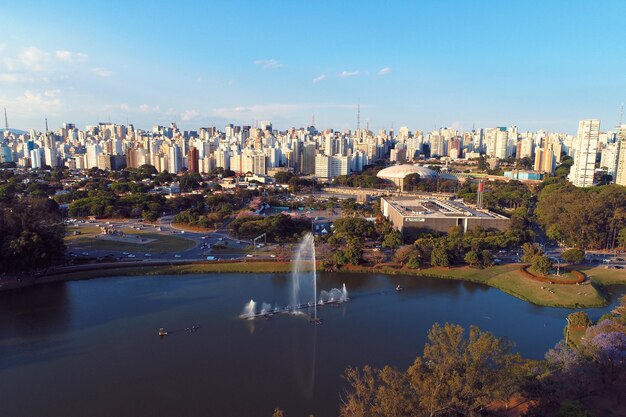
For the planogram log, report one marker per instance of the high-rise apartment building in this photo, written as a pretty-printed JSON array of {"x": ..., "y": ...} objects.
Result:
[
  {"x": 620, "y": 176},
  {"x": 193, "y": 158},
  {"x": 584, "y": 151}
]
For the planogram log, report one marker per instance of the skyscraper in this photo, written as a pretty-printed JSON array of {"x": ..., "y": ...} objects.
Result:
[
  {"x": 620, "y": 177},
  {"x": 193, "y": 158},
  {"x": 585, "y": 148}
]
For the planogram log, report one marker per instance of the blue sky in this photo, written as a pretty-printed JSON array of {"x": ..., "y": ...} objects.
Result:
[{"x": 422, "y": 64}]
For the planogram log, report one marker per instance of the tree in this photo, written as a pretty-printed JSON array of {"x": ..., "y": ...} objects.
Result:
[
  {"x": 411, "y": 181},
  {"x": 278, "y": 413},
  {"x": 573, "y": 256},
  {"x": 457, "y": 375},
  {"x": 283, "y": 177},
  {"x": 573, "y": 409},
  {"x": 579, "y": 318},
  {"x": 541, "y": 264},
  {"x": 190, "y": 181},
  {"x": 472, "y": 258},
  {"x": 530, "y": 250},
  {"x": 393, "y": 239},
  {"x": 439, "y": 256},
  {"x": 403, "y": 253}
]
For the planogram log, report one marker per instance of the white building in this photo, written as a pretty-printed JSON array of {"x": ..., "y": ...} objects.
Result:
[{"x": 584, "y": 151}]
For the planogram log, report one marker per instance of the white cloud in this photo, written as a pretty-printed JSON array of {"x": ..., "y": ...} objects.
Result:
[
  {"x": 319, "y": 78},
  {"x": 268, "y": 63},
  {"x": 52, "y": 93},
  {"x": 189, "y": 115},
  {"x": 275, "y": 111},
  {"x": 29, "y": 59},
  {"x": 346, "y": 74},
  {"x": 384, "y": 71},
  {"x": 34, "y": 101},
  {"x": 231, "y": 82},
  {"x": 14, "y": 78},
  {"x": 146, "y": 108},
  {"x": 102, "y": 72},
  {"x": 70, "y": 57}
]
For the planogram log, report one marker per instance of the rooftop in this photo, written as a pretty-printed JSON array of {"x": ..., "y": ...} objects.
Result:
[{"x": 436, "y": 207}]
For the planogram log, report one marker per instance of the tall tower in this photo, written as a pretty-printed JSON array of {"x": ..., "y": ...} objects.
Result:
[
  {"x": 6, "y": 124},
  {"x": 585, "y": 148}
]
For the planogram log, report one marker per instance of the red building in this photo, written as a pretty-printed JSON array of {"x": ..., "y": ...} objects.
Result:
[{"x": 193, "y": 158}]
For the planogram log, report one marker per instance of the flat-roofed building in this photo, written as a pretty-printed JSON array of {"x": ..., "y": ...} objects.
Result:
[{"x": 428, "y": 213}]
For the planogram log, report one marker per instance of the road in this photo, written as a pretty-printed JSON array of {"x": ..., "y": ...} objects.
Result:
[{"x": 235, "y": 248}]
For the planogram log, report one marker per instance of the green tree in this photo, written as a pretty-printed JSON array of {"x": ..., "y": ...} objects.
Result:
[
  {"x": 530, "y": 250},
  {"x": 579, "y": 318},
  {"x": 472, "y": 258},
  {"x": 393, "y": 239},
  {"x": 439, "y": 256},
  {"x": 573, "y": 256},
  {"x": 541, "y": 264},
  {"x": 283, "y": 177},
  {"x": 458, "y": 375}
]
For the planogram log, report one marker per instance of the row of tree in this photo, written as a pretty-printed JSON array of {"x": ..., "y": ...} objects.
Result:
[{"x": 588, "y": 218}]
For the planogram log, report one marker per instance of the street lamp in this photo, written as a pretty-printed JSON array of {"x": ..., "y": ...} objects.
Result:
[{"x": 558, "y": 266}]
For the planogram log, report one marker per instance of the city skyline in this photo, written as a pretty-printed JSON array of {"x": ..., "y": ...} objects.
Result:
[{"x": 453, "y": 65}]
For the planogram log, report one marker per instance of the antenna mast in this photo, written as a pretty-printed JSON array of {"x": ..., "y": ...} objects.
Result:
[
  {"x": 6, "y": 120},
  {"x": 46, "y": 124}
]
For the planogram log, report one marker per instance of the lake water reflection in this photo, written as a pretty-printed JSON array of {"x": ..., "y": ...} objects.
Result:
[{"x": 90, "y": 348}]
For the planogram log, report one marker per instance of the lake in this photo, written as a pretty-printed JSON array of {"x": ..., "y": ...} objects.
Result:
[{"x": 90, "y": 348}]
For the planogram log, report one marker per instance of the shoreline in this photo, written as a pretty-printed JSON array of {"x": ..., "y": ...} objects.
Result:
[{"x": 505, "y": 278}]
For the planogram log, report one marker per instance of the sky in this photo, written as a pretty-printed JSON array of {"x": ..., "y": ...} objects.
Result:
[{"x": 422, "y": 64}]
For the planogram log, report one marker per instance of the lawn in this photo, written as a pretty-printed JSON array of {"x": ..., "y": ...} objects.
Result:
[
  {"x": 196, "y": 268},
  {"x": 606, "y": 276},
  {"x": 162, "y": 243}
]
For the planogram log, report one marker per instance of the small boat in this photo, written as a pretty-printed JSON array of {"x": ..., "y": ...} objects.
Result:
[
  {"x": 399, "y": 288},
  {"x": 162, "y": 332}
]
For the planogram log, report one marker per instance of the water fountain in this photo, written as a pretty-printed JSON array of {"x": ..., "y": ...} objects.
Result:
[
  {"x": 249, "y": 311},
  {"x": 303, "y": 287}
]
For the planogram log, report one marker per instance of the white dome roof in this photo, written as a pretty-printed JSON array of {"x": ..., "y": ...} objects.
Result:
[{"x": 401, "y": 171}]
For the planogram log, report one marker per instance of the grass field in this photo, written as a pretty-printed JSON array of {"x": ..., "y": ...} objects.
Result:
[
  {"x": 162, "y": 243},
  {"x": 198, "y": 268},
  {"x": 606, "y": 276}
]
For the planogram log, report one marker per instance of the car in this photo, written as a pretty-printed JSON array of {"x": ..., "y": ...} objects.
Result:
[
  {"x": 211, "y": 258},
  {"x": 249, "y": 255},
  {"x": 85, "y": 253},
  {"x": 272, "y": 256},
  {"x": 131, "y": 256},
  {"x": 177, "y": 256},
  {"x": 221, "y": 238},
  {"x": 182, "y": 231},
  {"x": 239, "y": 241},
  {"x": 147, "y": 255},
  {"x": 204, "y": 237},
  {"x": 125, "y": 253}
]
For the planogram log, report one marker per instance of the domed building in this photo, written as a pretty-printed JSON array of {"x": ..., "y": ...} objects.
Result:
[{"x": 397, "y": 173}]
